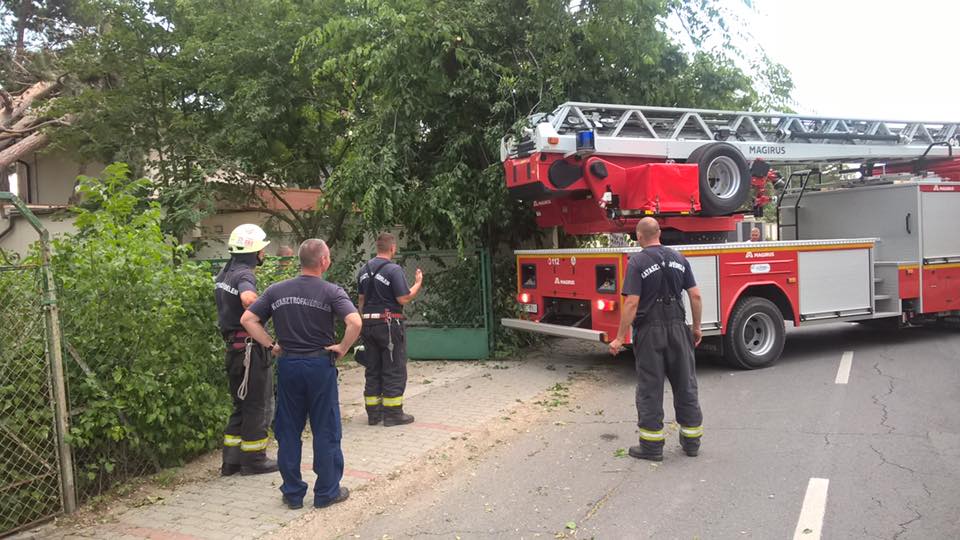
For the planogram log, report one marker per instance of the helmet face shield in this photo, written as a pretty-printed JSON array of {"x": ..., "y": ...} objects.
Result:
[{"x": 247, "y": 238}]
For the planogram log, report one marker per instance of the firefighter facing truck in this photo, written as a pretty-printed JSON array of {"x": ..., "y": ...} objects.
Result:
[
  {"x": 662, "y": 342},
  {"x": 383, "y": 293}
]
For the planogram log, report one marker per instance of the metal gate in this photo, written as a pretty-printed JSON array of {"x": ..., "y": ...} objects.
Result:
[
  {"x": 36, "y": 470},
  {"x": 452, "y": 317}
]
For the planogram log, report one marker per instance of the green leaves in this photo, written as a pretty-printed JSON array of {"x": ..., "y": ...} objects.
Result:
[{"x": 142, "y": 318}]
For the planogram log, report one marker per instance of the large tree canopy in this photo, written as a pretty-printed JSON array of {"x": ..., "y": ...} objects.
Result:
[{"x": 394, "y": 107}]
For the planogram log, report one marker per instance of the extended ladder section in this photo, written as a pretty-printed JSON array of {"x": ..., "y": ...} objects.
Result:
[{"x": 674, "y": 133}]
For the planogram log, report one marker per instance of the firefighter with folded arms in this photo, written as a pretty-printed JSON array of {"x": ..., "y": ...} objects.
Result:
[
  {"x": 303, "y": 310},
  {"x": 247, "y": 363},
  {"x": 383, "y": 291},
  {"x": 663, "y": 344}
]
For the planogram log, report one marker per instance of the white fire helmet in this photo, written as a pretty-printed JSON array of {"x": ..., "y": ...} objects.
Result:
[{"x": 247, "y": 238}]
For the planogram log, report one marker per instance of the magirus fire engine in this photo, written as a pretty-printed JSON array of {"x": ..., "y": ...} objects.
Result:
[{"x": 877, "y": 244}]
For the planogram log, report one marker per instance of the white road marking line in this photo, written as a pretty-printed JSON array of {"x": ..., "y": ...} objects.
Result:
[
  {"x": 810, "y": 524},
  {"x": 843, "y": 374}
]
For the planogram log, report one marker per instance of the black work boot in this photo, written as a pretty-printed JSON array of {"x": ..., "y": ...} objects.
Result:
[
  {"x": 374, "y": 414},
  {"x": 691, "y": 447},
  {"x": 342, "y": 496},
  {"x": 647, "y": 450},
  {"x": 257, "y": 463},
  {"x": 394, "y": 416},
  {"x": 232, "y": 456}
]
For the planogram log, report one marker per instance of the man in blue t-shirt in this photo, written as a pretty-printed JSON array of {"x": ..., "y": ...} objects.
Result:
[
  {"x": 662, "y": 343},
  {"x": 303, "y": 310},
  {"x": 383, "y": 293}
]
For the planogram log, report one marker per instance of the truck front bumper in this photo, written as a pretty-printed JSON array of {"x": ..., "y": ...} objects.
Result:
[{"x": 555, "y": 330}]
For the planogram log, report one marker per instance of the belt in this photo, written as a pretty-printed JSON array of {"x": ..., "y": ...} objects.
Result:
[
  {"x": 308, "y": 355},
  {"x": 386, "y": 315},
  {"x": 237, "y": 339}
]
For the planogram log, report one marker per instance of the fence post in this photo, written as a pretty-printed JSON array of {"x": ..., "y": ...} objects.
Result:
[
  {"x": 487, "y": 284},
  {"x": 55, "y": 354},
  {"x": 59, "y": 381}
]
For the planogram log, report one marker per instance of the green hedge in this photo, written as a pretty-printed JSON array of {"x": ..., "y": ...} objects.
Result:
[{"x": 142, "y": 318}]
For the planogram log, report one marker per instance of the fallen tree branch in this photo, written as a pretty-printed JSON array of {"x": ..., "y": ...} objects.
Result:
[
  {"x": 26, "y": 131},
  {"x": 23, "y": 102}
]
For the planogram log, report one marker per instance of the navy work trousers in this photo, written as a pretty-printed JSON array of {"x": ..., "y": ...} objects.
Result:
[
  {"x": 308, "y": 387},
  {"x": 663, "y": 348}
]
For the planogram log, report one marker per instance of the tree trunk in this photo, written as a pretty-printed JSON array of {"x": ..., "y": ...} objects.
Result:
[
  {"x": 23, "y": 19},
  {"x": 25, "y": 146}
]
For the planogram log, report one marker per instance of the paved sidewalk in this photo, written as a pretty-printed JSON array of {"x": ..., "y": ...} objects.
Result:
[{"x": 448, "y": 400}]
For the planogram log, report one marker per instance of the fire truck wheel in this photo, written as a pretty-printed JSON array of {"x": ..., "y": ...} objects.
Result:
[
  {"x": 755, "y": 335},
  {"x": 724, "y": 178}
]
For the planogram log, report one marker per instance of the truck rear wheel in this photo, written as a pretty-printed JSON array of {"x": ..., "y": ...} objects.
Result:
[
  {"x": 755, "y": 334},
  {"x": 724, "y": 178}
]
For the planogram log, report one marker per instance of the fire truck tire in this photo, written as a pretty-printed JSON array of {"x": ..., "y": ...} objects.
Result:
[
  {"x": 755, "y": 335},
  {"x": 724, "y": 178}
]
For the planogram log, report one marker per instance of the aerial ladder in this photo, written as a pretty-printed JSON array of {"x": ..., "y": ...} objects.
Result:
[{"x": 593, "y": 168}]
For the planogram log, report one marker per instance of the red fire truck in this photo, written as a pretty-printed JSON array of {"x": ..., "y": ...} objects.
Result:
[{"x": 879, "y": 247}]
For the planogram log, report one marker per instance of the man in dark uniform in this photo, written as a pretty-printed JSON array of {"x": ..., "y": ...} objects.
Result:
[
  {"x": 247, "y": 364},
  {"x": 662, "y": 342},
  {"x": 303, "y": 310},
  {"x": 383, "y": 293}
]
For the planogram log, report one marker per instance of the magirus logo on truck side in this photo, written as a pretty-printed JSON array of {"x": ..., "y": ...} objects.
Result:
[
  {"x": 767, "y": 149},
  {"x": 761, "y": 255}
]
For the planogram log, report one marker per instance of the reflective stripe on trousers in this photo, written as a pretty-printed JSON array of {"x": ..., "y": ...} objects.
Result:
[{"x": 393, "y": 401}]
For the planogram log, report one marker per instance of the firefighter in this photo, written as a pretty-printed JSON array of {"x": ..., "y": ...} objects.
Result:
[
  {"x": 755, "y": 234},
  {"x": 303, "y": 310},
  {"x": 662, "y": 343},
  {"x": 383, "y": 293},
  {"x": 247, "y": 364}
]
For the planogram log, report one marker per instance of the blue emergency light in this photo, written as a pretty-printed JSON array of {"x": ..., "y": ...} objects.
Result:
[{"x": 586, "y": 141}]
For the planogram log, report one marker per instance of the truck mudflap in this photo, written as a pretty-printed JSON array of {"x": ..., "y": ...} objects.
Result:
[{"x": 555, "y": 330}]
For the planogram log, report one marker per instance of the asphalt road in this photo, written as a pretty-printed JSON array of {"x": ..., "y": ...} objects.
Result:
[{"x": 885, "y": 447}]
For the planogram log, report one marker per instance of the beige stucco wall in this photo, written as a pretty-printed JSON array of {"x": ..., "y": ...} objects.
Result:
[
  {"x": 23, "y": 235},
  {"x": 53, "y": 177},
  {"x": 210, "y": 238}
]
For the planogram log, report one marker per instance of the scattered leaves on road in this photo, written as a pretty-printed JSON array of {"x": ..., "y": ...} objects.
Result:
[
  {"x": 620, "y": 452},
  {"x": 571, "y": 525}
]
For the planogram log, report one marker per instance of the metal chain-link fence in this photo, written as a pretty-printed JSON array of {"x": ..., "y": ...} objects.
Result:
[
  {"x": 36, "y": 479},
  {"x": 29, "y": 465}
]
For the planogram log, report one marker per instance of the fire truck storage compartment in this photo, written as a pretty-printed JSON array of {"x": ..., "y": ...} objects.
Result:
[
  {"x": 705, "y": 272},
  {"x": 915, "y": 224},
  {"x": 881, "y": 212},
  {"x": 835, "y": 282},
  {"x": 940, "y": 212}
]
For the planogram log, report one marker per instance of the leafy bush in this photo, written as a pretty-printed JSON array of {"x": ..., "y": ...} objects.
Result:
[{"x": 142, "y": 318}]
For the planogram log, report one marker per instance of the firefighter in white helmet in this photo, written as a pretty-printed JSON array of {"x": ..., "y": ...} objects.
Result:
[{"x": 247, "y": 363}]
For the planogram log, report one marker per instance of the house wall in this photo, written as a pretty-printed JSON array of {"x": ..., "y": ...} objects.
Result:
[
  {"x": 50, "y": 179},
  {"x": 22, "y": 235},
  {"x": 210, "y": 238}
]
